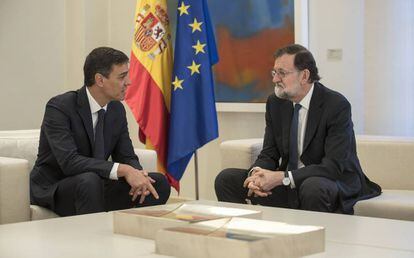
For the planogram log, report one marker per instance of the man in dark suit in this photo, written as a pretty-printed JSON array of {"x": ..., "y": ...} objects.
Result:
[
  {"x": 309, "y": 159},
  {"x": 81, "y": 130}
]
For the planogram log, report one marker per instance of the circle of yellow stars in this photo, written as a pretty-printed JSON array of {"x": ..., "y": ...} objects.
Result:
[{"x": 198, "y": 47}]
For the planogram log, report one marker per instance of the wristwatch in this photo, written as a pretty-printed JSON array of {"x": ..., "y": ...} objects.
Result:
[{"x": 286, "y": 179}]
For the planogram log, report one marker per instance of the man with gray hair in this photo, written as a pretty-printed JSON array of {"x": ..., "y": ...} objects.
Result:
[{"x": 309, "y": 159}]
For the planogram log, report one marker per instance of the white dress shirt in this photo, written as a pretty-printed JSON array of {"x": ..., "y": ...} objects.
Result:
[
  {"x": 303, "y": 119},
  {"x": 95, "y": 107}
]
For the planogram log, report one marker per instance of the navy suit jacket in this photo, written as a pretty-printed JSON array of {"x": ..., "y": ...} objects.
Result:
[
  {"x": 66, "y": 144},
  {"x": 329, "y": 148}
]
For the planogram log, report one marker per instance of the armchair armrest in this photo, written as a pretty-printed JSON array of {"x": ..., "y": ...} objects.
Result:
[
  {"x": 240, "y": 153},
  {"x": 14, "y": 190},
  {"x": 148, "y": 159}
]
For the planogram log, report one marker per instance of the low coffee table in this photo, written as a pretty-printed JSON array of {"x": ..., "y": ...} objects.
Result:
[{"x": 91, "y": 235}]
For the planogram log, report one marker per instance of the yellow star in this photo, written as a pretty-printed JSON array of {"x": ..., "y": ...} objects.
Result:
[
  {"x": 183, "y": 8},
  {"x": 194, "y": 68},
  {"x": 177, "y": 83},
  {"x": 195, "y": 25},
  {"x": 199, "y": 47}
]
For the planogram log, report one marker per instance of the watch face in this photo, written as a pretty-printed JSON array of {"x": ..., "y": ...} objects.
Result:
[{"x": 286, "y": 181}]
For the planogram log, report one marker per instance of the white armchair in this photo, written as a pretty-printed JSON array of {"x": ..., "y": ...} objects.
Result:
[
  {"x": 385, "y": 160},
  {"x": 18, "y": 152}
]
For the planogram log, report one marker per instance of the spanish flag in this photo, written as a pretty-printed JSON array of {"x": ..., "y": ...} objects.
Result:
[{"x": 149, "y": 94}]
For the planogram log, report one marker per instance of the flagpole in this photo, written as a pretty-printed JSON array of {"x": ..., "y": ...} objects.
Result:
[{"x": 196, "y": 174}]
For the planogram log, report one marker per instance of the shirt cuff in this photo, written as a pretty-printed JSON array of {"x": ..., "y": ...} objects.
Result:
[
  {"x": 292, "y": 183},
  {"x": 114, "y": 172}
]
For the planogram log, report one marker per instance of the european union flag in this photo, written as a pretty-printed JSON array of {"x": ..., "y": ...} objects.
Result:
[{"x": 193, "y": 117}]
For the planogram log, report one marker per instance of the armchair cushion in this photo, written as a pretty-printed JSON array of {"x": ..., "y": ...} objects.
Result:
[
  {"x": 240, "y": 153},
  {"x": 14, "y": 190},
  {"x": 386, "y": 160},
  {"x": 22, "y": 144},
  {"x": 39, "y": 213},
  {"x": 18, "y": 153},
  {"x": 148, "y": 159},
  {"x": 392, "y": 204}
]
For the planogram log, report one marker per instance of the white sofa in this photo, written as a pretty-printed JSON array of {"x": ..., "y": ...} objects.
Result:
[
  {"x": 385, "y": 160},
  {"x": 18, "y": 151}
]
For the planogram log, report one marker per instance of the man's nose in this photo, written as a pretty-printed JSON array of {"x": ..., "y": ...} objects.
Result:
[
  {"x": 276, "y": 78},
  {"x": 127, "y": 81}
]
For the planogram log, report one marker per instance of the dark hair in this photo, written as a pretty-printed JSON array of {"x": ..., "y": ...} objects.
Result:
[
  {"x": 303, "y": 60},
  {"x": 100, "y": 60}
]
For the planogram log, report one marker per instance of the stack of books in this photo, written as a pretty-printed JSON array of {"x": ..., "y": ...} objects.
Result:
[
  {"x": 241, "y": 238},
  {"x": 145, "y": 222}
]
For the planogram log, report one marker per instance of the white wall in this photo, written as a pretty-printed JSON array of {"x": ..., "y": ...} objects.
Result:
[
  {"x": 43, "y": 45},
  {"x": 86, "y": 27},
  {"x": 375, "y": 73},
  {"x": 389, "y": 67},
  {"x": 338, "y": 24},
  {"x": 32, "y": 62}
]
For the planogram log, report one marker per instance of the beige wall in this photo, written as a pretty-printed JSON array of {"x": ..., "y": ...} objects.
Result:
[
  {"x": 32, "y": 63},
  {"x": 338, "y": 24},
  {"x": 389, "y": 67},
  {"x": 43, "y": 45}
]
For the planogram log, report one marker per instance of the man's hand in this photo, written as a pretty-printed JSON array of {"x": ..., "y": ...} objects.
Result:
[
  {"x": 262, "y": 181},
  {"x": 140, "y": 182},
  {"x": 267, "y": 180}
]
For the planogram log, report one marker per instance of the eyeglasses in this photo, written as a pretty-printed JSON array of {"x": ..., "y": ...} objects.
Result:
[{"x": 280, "y": 73}]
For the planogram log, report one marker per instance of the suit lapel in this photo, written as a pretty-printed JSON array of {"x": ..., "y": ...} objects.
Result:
[
  {"x": 85, "y": 113},
  {"x": 287, "y": 112},
  {"x": 314, "y": 115}
]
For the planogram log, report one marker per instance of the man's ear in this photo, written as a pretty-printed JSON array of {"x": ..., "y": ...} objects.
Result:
[
  {"x": 99, "y": 78},
  {"x": 305, "y": 76}
]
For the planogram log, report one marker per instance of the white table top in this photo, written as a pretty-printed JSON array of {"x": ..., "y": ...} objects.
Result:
[{"x": 91, "y": 236}]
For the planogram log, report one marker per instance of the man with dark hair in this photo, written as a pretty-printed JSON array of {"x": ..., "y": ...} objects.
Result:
[
  {"x": 81, "y": 130},
  {"x": 309, "y": 159}
]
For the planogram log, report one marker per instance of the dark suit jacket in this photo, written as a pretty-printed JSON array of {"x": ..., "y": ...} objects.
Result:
[
  {"x": 329, "y": 148},
  {"x": 66, "y": 144}
]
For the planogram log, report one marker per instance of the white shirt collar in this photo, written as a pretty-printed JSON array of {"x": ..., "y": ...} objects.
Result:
[
  {"x": 305, "y": 102},
  {"x": 95, "y": 107}
]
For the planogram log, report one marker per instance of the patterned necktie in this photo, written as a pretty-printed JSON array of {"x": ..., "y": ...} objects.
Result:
[
  {"x": 98, "y": 148},
  {"x": 293, "y": 143}
]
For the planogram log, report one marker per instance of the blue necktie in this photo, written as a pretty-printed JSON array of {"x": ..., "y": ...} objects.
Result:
[
  {"x": 98, "y": 148},
  {"x": 293, "y": 143}
]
